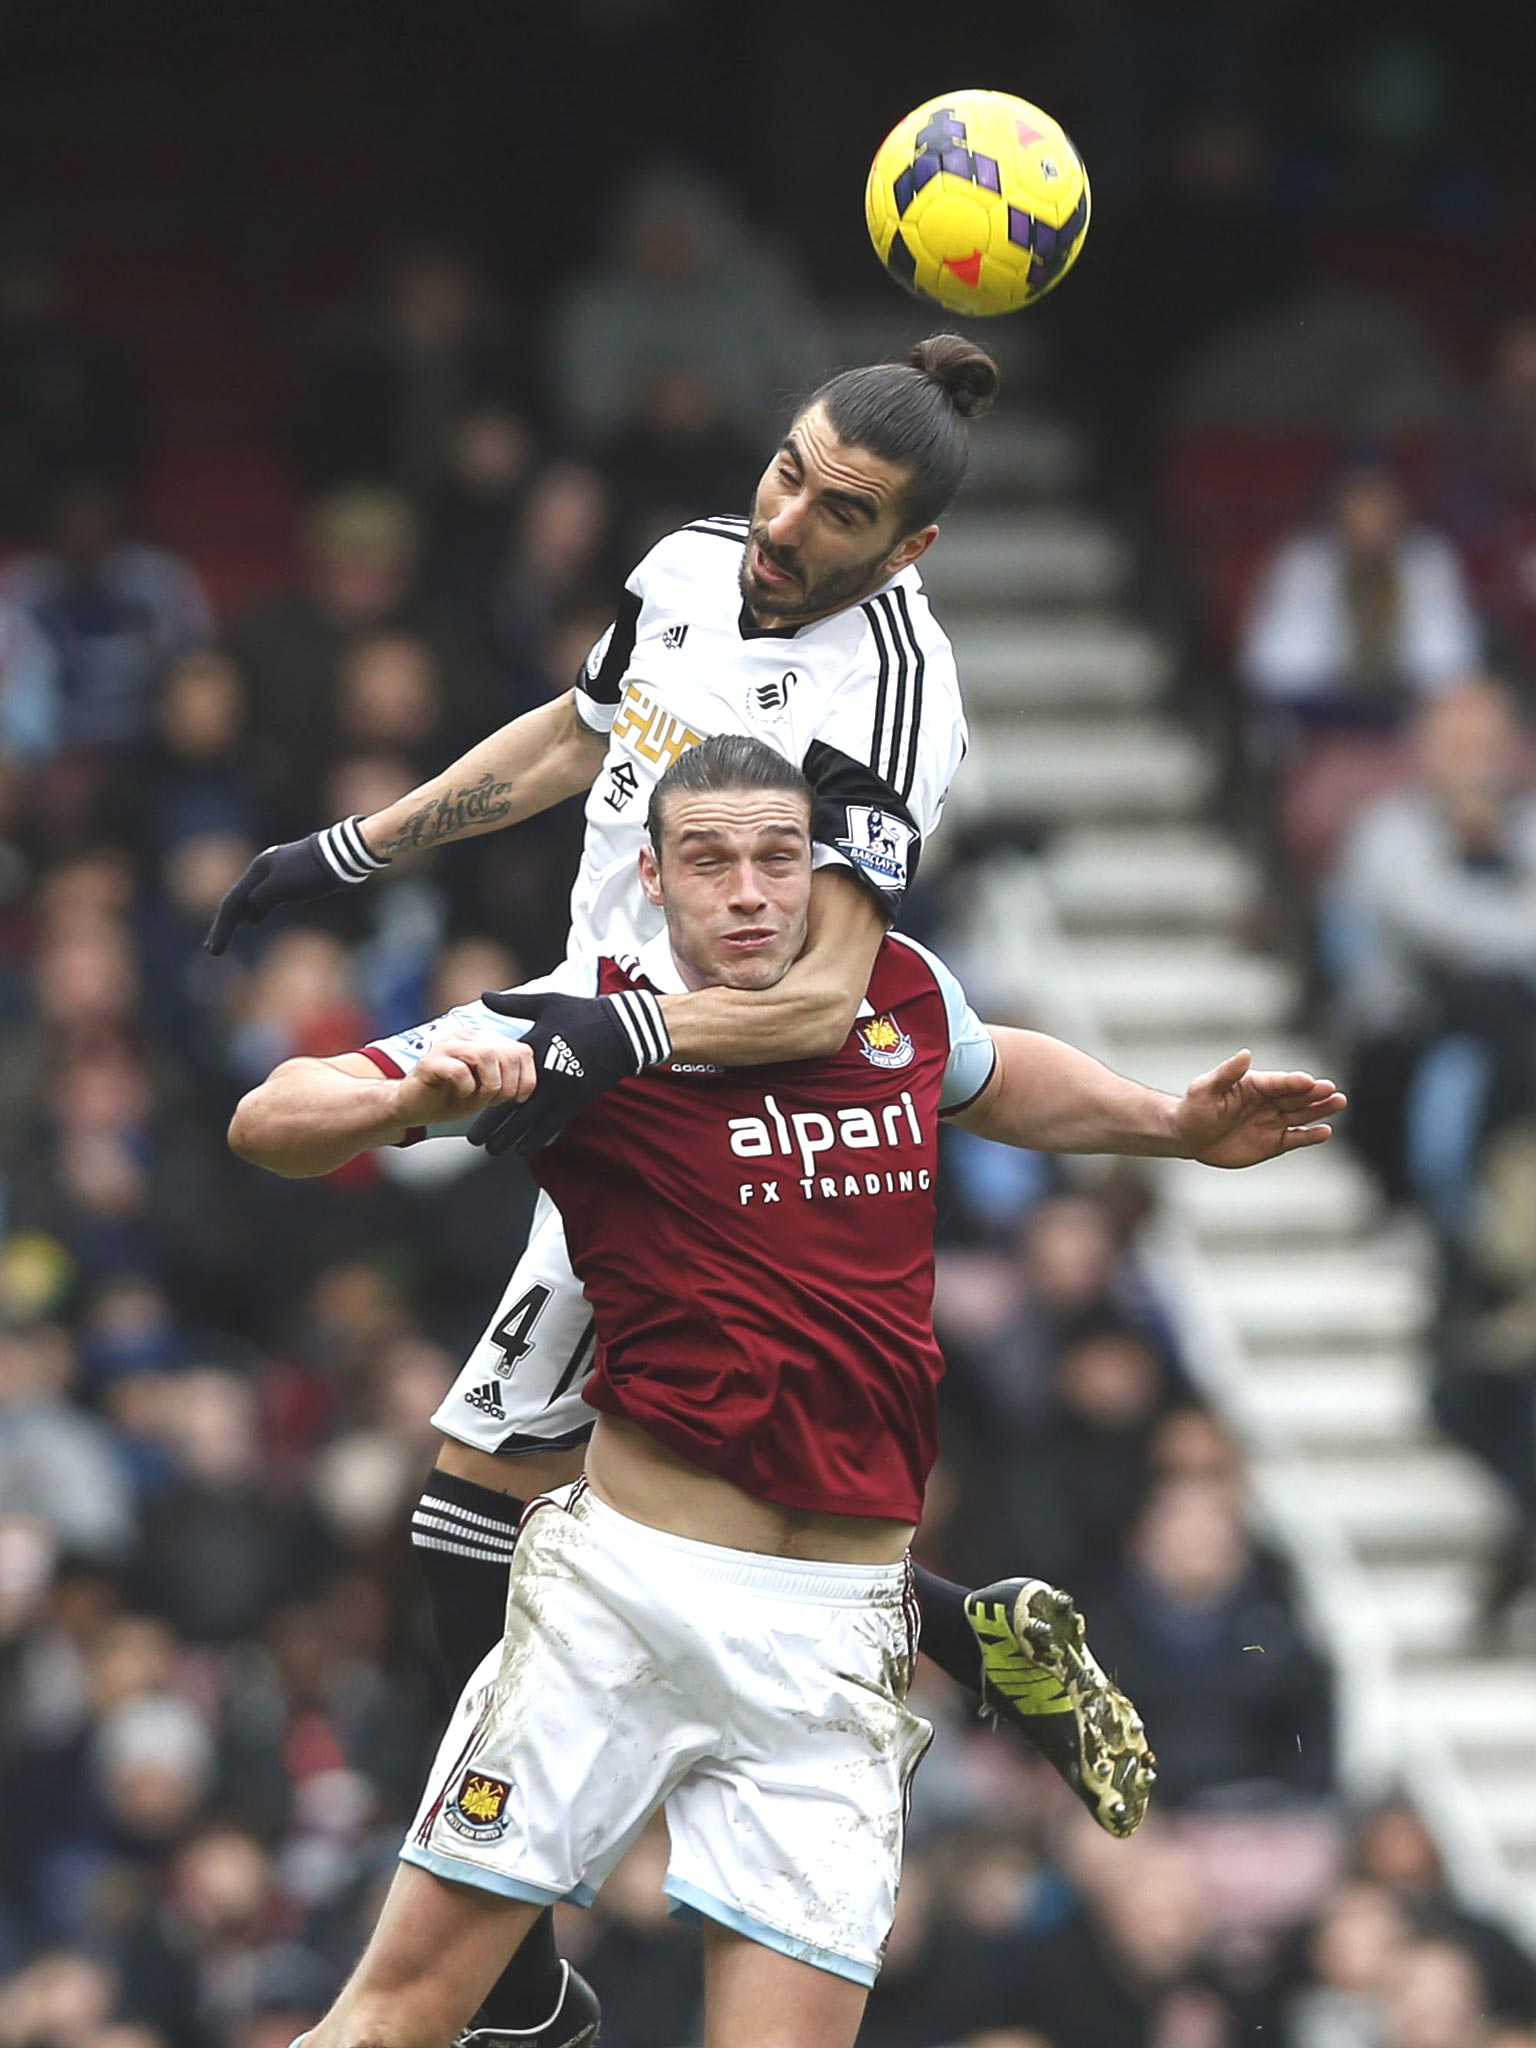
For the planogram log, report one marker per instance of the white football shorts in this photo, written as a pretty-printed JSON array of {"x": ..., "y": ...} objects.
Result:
[
  {"x": 520, "y": 1388},
  {"x": 760, "y": 1700}
]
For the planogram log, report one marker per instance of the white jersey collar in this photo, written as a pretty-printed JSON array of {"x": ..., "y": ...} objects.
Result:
[{"x": 656, "y": 963}]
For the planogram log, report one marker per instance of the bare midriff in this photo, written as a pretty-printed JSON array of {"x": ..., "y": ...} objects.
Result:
[{"x": 640, "y": 1478}]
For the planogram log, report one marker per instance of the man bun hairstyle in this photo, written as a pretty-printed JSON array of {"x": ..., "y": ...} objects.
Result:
[
  {"x": 727, "y": 760},
  {"x": 914, "y": 413}
]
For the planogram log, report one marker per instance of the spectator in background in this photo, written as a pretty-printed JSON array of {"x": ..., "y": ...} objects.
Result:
[
  {"x": 1216, "y": 1662},
  {"x": 116, "y": 612},
  {"x": 1393, "y": 1847},
  {"x": 58, "y": 1464},
  {"x": 561, "y": 552},
  {"x": 687, "y": 294},
  {"x": 1484, "y": 1389},
  {"x": 1489, "y": 490},
  {"x": 385, "y": 396},
  {"x": 72, "y": 399},
  {"x": 31, "y": 709},
  {"x": 1429, "y": 934},
  {"x": 680, "y": 454},
  {"x": 222, "y": 1547},
  {"x": 359, "y": 582},
  {"x": 1437, "y": 1999},
  {"x": 1090, "y": 1449},
  {"x": 1356, "y": 619},
  {"x": 471, "y": 516},
  {"x": 1349, "y": 1964},
  {"x": 201, "y": 768}
]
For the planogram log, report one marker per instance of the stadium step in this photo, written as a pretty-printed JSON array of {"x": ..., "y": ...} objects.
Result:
[
  {"x": 1160, "y": 877},
  {"x": 1414, "y": 1502},
  {"x": 1072, "y": 664},
  {"x": 1048, "y": 557},
  {"x": 1185, "y": 983},
  {"x": 1427, "y": 1605},
  {"x": 1338, "y": 1400},
  {"x": 1280, "y": 1300},
  {"x": 1045, "y": 662},
  {"x": 1048, "y": 770},
  {"x": 1481, "y": 1699},
  {"x": 1317, "y": 1195}
]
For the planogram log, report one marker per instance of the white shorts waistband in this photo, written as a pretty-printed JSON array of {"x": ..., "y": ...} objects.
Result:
[{"x": 750, "y": 1571}]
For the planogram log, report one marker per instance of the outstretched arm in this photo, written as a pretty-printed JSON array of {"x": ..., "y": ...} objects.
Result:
[
  {"x": 1049, "y": 1097},
  {"x": 522, "y": 769}
]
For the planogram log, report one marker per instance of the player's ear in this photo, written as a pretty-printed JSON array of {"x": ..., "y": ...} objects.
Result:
[
  {"x": 907, "y": 550},
  {"x": 650, "y": 875}
]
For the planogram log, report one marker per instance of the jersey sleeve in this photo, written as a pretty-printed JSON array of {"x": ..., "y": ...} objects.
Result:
[
  {"x": 881, "y": 761},
  {"x": 972, "y": 1048},
  {"x": 400, "y": 1053},
  {"x": 600, "y": 683}
]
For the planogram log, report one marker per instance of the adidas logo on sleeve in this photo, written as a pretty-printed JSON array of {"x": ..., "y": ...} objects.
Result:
[{"x": 488, "y": 1400}]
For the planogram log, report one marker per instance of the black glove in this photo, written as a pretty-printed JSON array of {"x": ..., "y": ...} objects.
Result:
[
  {"x": 296, "y": 872},
  {"x": 582, "y": 1046}
]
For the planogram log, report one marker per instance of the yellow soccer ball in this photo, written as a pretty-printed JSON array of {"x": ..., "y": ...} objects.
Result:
[{"x": 978, "y": 202}]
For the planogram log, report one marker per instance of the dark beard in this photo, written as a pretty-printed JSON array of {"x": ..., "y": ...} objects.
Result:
[{"x": 839, "y": 587}]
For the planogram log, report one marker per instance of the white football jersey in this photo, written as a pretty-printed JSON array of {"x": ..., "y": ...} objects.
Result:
[{"x": 866, "y": 703}]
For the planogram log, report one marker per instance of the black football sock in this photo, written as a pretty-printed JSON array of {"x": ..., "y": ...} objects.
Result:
[
  {"x": 947, "y": 1637},
  {"x": 463, "y": 1535}
]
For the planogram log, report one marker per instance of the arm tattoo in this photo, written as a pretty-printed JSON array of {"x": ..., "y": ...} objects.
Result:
[{"x": 444, "y": 817}]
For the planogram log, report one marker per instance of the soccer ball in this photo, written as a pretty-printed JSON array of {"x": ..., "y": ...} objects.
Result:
[{"x": 977, "y": 201}]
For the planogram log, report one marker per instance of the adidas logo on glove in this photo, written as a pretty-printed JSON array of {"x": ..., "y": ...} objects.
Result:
[{"x": 559, "y": 1059}]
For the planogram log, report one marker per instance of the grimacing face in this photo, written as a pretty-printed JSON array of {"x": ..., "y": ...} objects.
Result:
[
  {"x": 734, "y": 881},
  {"x": 825, "y": 528}
]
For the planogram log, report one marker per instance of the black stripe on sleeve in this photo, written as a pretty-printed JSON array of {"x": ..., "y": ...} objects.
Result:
[
  {"x": 888, "y": 765},
  {"x": 877, "y": 739},
  {"x": 604, "y": 684},
  {"x": 909, "y": 766}
]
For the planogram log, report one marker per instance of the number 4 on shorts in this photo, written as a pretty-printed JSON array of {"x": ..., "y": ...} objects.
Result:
[{"x": 513, "y": 1335}]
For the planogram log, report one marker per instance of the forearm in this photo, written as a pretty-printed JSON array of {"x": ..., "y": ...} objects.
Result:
[
  {"x": 1049, "y": 1097},
  {"x": 520, "y": 770},
  {"x": 811, "y": 1011},
  {"x": 308, "y": 1118}
]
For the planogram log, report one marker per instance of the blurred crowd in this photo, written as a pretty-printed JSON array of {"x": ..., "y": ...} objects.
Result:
[
  {"x": 217, "y": 1687},
  {"x": 1370, "y": 591}
]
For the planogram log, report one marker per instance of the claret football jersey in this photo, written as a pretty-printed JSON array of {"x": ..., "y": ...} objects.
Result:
[
  {"x": 866, "y": 702},
  {"x": 757, "y": 1242}
]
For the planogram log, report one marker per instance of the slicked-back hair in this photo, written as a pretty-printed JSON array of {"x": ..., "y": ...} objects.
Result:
[
  {"x": 727, "y": 760},
  {"x": 914, "y": 413}
]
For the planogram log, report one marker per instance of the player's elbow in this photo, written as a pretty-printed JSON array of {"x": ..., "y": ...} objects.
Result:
[{"x": 256, "y": 1138}]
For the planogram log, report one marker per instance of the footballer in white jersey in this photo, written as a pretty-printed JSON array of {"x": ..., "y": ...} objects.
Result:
[{"x": 866, "y": 702}]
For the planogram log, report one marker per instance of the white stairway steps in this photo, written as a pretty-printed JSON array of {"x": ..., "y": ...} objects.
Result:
[{"x": 1149, "y": 904}]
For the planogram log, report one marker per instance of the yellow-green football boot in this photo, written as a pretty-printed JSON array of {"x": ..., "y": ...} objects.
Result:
[{"x": 1039, "y": 1674}]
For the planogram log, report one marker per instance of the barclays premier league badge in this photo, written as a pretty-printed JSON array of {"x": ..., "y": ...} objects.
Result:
[{"x": 877, "y": 844}]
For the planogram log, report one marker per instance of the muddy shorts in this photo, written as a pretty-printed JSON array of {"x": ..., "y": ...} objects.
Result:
[{"x": 761, "y": 1701}]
